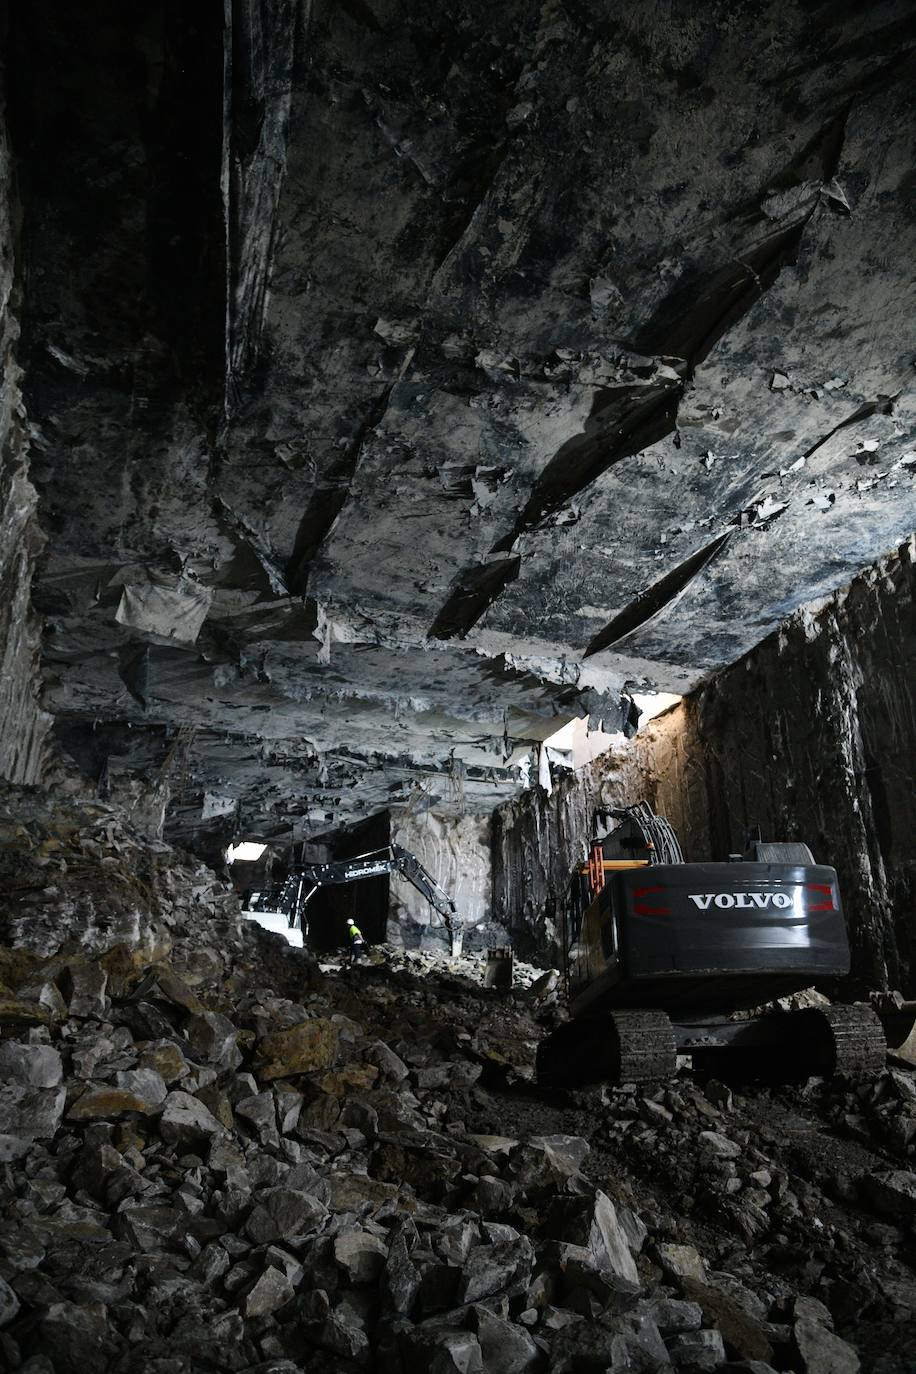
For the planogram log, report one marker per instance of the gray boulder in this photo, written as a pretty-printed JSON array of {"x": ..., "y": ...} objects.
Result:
[
  {"x": 272, "y": 1291},
  {"x": 85, "y": 990},
  {"x": 37, "y": 1066},
  {"x": 282, "y": 1213},
  {"x": 9, "y": 1303},
  {"x": 593, "y": 1224},
  {"x": 490, "y": 1269},
  {"x": 697, "y": 1349},
  {"x": 77, "y": 1337},
  {"x": 30, "y": 1113},
  {"x": 821, "y": 1351},
  {"x": 186, "y": 1121},
  {"x": 146, "y": 1084},
  {"x": 360, "y": 1255},
  {"x": 400, "y": 1282},
  {"x": 505, "y": 1347}
]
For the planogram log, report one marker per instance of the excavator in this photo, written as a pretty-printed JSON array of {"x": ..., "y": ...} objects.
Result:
[
  {"x": 664, "y": 958},
  {"x": 304, "y": 881}
]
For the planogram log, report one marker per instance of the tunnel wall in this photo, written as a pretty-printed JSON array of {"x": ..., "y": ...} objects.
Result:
[
  {"x": 811, "y": 737},
  {"x": 456, "y": 852},
  {"x": 23, "y": 725}
]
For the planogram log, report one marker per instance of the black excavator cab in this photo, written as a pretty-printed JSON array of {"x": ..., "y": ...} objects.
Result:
[{"x": 664, "y": 957}]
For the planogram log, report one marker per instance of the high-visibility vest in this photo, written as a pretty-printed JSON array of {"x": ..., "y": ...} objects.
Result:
[{"x": 354, "y": 932}]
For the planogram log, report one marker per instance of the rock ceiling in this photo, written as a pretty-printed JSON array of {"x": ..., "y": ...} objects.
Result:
[{"x": 405, "y": 379}]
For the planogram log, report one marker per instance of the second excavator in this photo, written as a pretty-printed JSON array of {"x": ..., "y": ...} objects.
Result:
[{"x": 304, "y": 881}]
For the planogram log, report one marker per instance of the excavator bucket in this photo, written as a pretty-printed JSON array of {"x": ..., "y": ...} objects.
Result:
[
  {"x": 898, "y": 1018},
  {"x": 500, "y": 970}
]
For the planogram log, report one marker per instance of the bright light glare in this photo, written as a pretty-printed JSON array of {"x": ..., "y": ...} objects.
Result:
[
  {"x": 248, "y": 851},
  {"x": 654, "y": 704},
  {"x": 565, "y": 737},
  {"x": 574, "y": 739},
  {"x": 277, "y": 922}
]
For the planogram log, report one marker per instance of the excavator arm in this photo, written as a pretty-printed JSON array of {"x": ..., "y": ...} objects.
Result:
[
  {"x": 394, "y": 859},
  {"x": 409, "y": 865}
]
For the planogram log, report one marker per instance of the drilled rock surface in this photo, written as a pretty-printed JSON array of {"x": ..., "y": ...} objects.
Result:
[
  {"x": 472, "y": 363},
  {"x": 22, "y": 723}
]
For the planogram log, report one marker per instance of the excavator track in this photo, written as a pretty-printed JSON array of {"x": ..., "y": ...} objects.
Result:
[
  {"x": 617, "y": 1047},
  {"x": 851, "y": 1040},
  {"x": 642, "y": 1046}
]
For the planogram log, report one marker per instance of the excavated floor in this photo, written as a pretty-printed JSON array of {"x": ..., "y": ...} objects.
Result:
[{"x": 217, "y": 1157}]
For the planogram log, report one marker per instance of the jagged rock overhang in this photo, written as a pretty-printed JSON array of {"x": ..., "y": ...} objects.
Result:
[{"x": 457, "y": 348}]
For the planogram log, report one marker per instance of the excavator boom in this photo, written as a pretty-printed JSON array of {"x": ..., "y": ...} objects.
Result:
[{"x": 394, "y": 859}]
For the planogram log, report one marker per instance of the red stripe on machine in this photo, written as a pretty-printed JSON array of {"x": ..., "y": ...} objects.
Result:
[
  {"x": 642, "y": 908},
  {"x": 821, "y": 906}
]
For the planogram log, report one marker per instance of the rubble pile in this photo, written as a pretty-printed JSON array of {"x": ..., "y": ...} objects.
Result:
[
  {"x": 188, "y": 1191},
  {"x": 366, "y": 1177},
  {"x": 470, "y": 965},
  {"x": 74, "y": 873},
  {"x": 215, "y": 1157}
]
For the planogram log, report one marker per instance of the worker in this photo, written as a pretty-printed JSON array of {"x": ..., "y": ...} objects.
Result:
[{"x": 357, "y": 943}]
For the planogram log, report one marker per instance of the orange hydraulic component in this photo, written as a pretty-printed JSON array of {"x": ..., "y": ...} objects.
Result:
[
  {"x": 596, "y": 869},
  {"x": 598, "y": 866}
]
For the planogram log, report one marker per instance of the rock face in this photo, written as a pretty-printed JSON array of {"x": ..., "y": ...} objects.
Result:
[
  {"x": 458, "y": 852},
  {"x": 22, "y": 723},
  {"x": 403, "y": 378},
  {"x": 55, "y": 891},
  {"x": 803, "y": 738}
]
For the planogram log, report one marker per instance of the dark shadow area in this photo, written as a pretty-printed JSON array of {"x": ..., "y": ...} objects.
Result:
[
  {"x": 477, "y": 589},
  {"x": 622, "y": 422},
  {"x": 660, "y": 595},
  {"x": 365, "y": 902},
  {"x": 692, "y": 319}
]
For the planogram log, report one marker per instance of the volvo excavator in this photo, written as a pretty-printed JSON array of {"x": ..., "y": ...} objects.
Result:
[
  {"x": 304, "y": 881},
  {"x": 663, "y": 957}
]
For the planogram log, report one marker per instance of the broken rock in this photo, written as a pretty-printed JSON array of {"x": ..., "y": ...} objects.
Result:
[
  {"x": 697, "y": 1349},
  {"x": 821, "y": 1351},
  {"x": 86, "y": 984},
  {"x": 103, "y": 1104},
  {"x": 683, "y": 1261},
  {"x": 214, "y": 1037},
  {"x": 37, "y": 1066},
  {"x": 401, "y": 1280},
  {"x": 186, "y": 1122},
  {"x": 282, "y": 1213},
  {"x": 593, "y": 1224},
  {"x": 77, "y": 1337},
  {"x": 505, "y": 1347},
  {"x": 360, "y": 1255},
  {"x": 305, "y": 1048},
  {"x": 9, "y": 1303},
  {"x": 32, "y": 1113},
  {"x": 272, "y": 1291},
  {"x": 892, "y": 1191}
]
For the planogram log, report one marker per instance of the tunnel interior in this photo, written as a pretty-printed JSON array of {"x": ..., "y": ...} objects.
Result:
[{"x": 428, "y": 433}]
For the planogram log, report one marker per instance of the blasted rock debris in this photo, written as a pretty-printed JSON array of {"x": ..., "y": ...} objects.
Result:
[{"x": 216, "y": 1156}]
